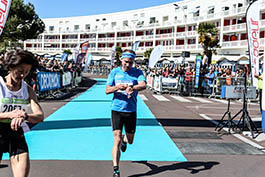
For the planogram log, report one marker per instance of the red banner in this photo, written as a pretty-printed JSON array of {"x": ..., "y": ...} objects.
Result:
[{"x": 4, "y": 9}]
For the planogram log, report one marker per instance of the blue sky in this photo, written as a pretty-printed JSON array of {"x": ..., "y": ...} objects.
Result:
[{"x": 70, "y": 8}]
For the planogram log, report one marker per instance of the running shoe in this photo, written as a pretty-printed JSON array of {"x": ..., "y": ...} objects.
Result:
[
  {"x": 123, "y": 144},
  {"x": 116, "y": 173}
]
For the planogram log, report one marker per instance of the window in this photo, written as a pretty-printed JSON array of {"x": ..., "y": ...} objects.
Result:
[
  {"x": 87, "y": 27},
  {"x": 125, "y": 23},
  {"x": 104, "y": 19},
  {"x": 142, "y": 15},
  {"x": 51, "y": 28},
  {"x": 152, "y": 20},
  {"x": 211, "y": 10},
  {"x": 113, "y": 24},
  {"x": 76, "y": 27},
  {"x": 97, "y": 20},
  {"x": 165, "y": 18}
]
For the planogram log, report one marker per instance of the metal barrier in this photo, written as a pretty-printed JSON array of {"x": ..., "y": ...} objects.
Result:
[{"x": 182, "y": 85}]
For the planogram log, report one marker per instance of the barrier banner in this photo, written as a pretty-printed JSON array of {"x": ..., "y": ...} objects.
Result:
[
  {"x": 198, "y": 69},
  {"x": 155, "y": 55},
  {"x": 67, "y": 78},
  {"x": 150, "y": 81},
  {"x": 253, "y": 26},
  {"x": 4, "y": 9},
  {"x": 112, "y": 56},
  {"x": 49, "y": 80},
  {"x": 158, "y": 84}
]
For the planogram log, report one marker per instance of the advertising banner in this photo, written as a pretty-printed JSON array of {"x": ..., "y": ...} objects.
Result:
[
  {"x": 67, "y": 78},
  {"x": 4, "y": 9},
  {"x": 253, "y": 26},
  {"x": 49, "y": 80},
  {"x": 198, "y": 69},
  {"x": 155, "y": 55},
  {"x": 135, "y": 45}
]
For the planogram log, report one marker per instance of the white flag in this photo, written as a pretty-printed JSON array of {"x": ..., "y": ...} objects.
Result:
[
  {"x": 253, "y": 26},
  {"x": 155, "y": 55},
  {"x": 4, "y": 9},
  {"x": 112, "y": 56}
]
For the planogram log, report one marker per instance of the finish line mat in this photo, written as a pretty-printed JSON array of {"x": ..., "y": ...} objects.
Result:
[{"x": 81, "y": 130}]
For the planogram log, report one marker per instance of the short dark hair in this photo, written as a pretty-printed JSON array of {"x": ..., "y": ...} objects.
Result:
[
  {"x": 17, "y": 57},
  {"x": 129, "y": 51}
]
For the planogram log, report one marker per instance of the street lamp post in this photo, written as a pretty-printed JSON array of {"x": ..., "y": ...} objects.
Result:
[{"x": 185, "y": 34}]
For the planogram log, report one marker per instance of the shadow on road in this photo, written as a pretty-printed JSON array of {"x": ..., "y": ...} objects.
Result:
[
  {"x": 193, "y": 167},
  {"x": 3, "y": 166}
]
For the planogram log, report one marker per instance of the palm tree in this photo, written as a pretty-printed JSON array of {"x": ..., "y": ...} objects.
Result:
[
  {"x": 118, "y": 56},
  {"x": 209, "y": 39}
]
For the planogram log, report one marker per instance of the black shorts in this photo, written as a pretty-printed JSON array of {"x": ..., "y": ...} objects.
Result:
[
  {"x": 126, "y": 119},
  {"x": 11, "y": 141}
]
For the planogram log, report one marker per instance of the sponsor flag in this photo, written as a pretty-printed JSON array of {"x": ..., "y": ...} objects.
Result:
[
  {"x": 4, "y": 9},
  {"x": 112, "y": 56},
  {"x": 64, "y": 57},
  {"x": 135, "y": 45},
  {"x": 155, "y": 55},
  {"x": 84, "y": 47},
  {"x": 89, "y": 58},
  {"x": 198, "y": 69},
  {"x": 76, "y": 52},
  {"x": 253, "y": 26}
]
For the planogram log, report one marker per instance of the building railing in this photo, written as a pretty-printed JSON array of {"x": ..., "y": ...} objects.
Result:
[
  {"x": 69, "y": 40},
  {"x": 51, "y": 40},
  {"x": 144, "y": 37},
  {"x": 106, "y": 39},
  {"x": 129, "y": 38},
  {"x": 239, "y": 43},
  {"x": 169, "y": 35},
  {"x": 235, "y": 27}
]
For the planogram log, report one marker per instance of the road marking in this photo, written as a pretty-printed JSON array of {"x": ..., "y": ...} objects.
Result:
[
  {"x": 181, "y": 99},
  {"x": 143, "y": 97},
  {"x": 245, "y": 140},
  {"x": 223, "y": 101},
  {"x": 201, "y": 100},
  {"x": 161, "y": 98}
]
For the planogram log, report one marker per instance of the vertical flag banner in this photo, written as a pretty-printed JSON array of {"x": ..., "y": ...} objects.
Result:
[
  {"x": 155, "y": 55},
  {"x": 89, "y": 58},
  {"x": 253, "y": 26},
  {"x": 76, "y": 52},
  {"x": 198, "y": 69},
  {"x": 263, "y": 99},
  {"x": 112, "y": 56},
  {"x": 4, "y": 9},
  {"x": 64, "y": 57},
  {"x": 135, "y": 45},
  {"x": 84, "y": 47}
]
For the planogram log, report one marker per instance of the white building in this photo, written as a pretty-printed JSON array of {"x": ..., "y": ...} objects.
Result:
[{"x": 171, "y": 25}]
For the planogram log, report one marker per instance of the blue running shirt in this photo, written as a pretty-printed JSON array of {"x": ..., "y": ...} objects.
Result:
[{"x": 120, "y": 101}]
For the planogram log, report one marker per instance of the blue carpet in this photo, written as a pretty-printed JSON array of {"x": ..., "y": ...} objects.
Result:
[{"x": 81, "y": 130}]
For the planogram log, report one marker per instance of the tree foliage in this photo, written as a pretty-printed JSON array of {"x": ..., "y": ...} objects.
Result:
[
  {"x": 208, "y": 38},
  {"x": 118, "y": 55},
  {"x": 22, "y": 23},
  {"x": 68, "y": 51},
  {"x": 148, "y": 52}
]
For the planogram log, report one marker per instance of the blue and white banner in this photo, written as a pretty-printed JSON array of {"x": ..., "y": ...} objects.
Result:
[
  {"x": 64, "y": 57},
  {"x": 253, "y": 28},
  {"x": 76, "y": 52},
  {"x": 198, "y": 69},
  {"x": 49, "y": 80},
  {"x": 4, "y": 9},
  {"x": 67, "y": 79},
  {"x": 155, "y": 55},
  {"x": 112, "y": 56},
  {"x": 135, "y": 45},
  {"x": 89, "y": 58}
]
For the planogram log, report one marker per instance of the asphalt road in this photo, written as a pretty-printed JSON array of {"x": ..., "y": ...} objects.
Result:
[{"x": 191, "y": 125}]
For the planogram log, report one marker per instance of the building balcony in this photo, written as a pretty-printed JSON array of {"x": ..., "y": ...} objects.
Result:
[
  {"x": 235, "y": 44},
  {"x": 142, "y": 49},
  {"x": 191, "y": 46},
  {"x": 107, "y": 49},
  {"x": 70, "y": 40},
  {"x": 54, "y": 49},
  {"x": 169, "y": 35},
  {"x": 235, "y": 27},
  {"x": 106, "y": 39},
  {"x": 34, "y": 40},
  {"x": 144, "y": 37},
  {"x": 51, "y": 40},
  {"x": 87, "y": 39},
  {"x": 33, "y": 49},
  {"x": 128, "y": 38}
]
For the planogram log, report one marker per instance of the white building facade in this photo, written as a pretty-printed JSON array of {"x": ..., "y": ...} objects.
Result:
[{"x": 171, "y": 25}]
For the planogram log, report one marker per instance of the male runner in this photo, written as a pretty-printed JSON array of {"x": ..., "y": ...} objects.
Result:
[{"x": 124, "y": 82}]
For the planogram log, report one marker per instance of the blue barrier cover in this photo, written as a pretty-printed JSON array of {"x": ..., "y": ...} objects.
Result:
[{"x": 49, "y": 80}]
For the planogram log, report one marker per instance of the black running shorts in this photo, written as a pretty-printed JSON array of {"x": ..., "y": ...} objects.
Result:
[
  {"x": 12, "y": 141},
  {"x": 126, "y": 119}
]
